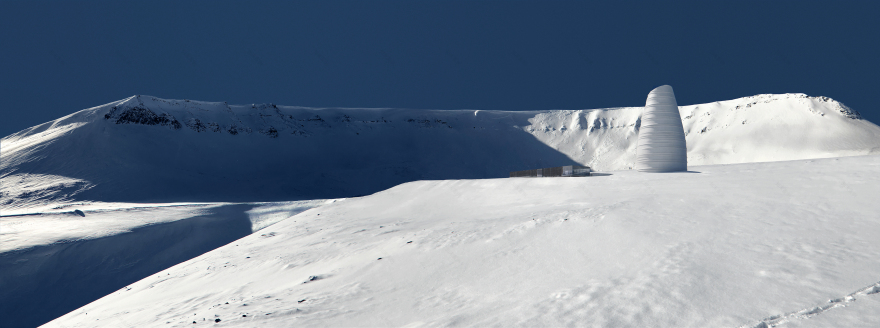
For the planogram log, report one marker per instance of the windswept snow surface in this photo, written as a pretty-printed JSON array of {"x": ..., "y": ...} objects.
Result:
[
  {"x": 789, "y": 243},
  {"x": 147, "y": 149},
  {"x": 56, "y": 261}
]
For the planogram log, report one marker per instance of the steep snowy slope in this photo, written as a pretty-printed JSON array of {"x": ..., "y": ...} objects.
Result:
[
  {"x": 149, "y": 149},
  {"x": 757, "y": 245}
]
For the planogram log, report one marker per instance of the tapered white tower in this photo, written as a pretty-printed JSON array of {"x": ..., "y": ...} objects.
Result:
[{"x": 661, "y": 146}]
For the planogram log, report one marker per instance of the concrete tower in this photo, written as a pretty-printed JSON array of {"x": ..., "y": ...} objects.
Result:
[{"x": 661, "y": 146}]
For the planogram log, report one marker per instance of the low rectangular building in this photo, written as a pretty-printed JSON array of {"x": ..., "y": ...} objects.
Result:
[{"x": 559, "y": 171}]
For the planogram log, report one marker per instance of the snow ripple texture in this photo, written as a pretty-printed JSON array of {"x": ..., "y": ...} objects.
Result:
[{"x": 661, "y": 146}]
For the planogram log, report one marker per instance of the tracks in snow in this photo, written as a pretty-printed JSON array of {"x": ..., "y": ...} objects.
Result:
[{"x": 776, "y": 320}]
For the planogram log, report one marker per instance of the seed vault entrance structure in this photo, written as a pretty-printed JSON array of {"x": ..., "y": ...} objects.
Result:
[{"x": 661, "y": 146}]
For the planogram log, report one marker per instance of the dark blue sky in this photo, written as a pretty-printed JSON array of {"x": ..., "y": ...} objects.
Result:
[{"x": 57, "y": 57}]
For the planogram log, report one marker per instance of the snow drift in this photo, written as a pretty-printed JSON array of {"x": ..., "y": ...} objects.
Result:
[{"x": 149, "y": 149}]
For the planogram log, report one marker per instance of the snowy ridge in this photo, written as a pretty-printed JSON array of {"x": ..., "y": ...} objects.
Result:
[
  {"x": 145, "y": 148},
  {"x": 777, "y": 320}
]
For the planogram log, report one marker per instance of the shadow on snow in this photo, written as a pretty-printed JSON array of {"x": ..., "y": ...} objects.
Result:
[{"x": 42, "y": 283}]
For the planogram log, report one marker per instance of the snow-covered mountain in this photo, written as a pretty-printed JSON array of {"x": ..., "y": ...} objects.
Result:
[
  {"x": 148, "y": 149},
  {"x": 756, "y": 244}
]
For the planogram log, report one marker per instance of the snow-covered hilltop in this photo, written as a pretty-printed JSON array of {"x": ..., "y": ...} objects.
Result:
[
  {"x": 748, "y": 245},
  {"x": 149, "y": 149}
]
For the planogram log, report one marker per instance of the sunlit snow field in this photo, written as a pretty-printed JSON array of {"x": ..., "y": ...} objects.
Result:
[{"x": 785, "y": 243}]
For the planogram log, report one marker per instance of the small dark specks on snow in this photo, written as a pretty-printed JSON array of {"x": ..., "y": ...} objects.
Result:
[
  {"x": 244, "y": 315},
  {"x": 217, "y": 320},
  {"x": 248, "y": 257},
  {"x": 194, "y": 321},
  {"x": 302, "y": 300},
  {"x": 227, "y": 302},
  {"x": 409, "y": 242},
  {"x": 379, "y": 258},
  {"x": 312, "y": 278}
]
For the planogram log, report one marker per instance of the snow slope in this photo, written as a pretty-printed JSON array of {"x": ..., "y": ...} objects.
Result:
[
  {"x": 54, "y": 262},
  {"x": 147, "y": 149},
  {"x": 790, "y": 243},
  {"x": 61, "y": 223}
]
